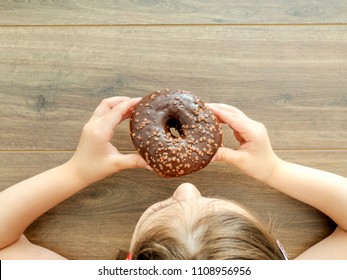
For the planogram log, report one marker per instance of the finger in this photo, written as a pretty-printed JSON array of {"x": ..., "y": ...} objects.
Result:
[
  {"x": 107, "y": 104},
  {"x": 128, "y": 113},
  {"x": 239, "y": 137},
  {"x": 228, "y": 155},
  {"x": 119, "y": 113},
  {"x": 227, "y": 108},
  {"x": 239, "y": 122},
  {"x": 225, "y": 116},
  {"x": 130, "y": 161}
]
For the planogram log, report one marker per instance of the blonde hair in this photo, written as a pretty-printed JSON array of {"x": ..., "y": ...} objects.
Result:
[{"x": 221, "y": 235}]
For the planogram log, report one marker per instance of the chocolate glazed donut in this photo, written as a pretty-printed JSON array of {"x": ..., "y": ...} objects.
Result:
[{"x": 175, "y": 132}]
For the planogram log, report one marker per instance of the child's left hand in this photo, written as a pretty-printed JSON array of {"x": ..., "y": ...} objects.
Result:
[{"x": 95, "y": 157}]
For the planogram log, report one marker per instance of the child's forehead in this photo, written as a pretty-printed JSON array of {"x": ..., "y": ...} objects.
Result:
[{"x": 195, "y": 208}]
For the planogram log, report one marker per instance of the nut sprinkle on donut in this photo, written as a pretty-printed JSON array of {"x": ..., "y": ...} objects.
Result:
[{"x": 175, "y": 132}]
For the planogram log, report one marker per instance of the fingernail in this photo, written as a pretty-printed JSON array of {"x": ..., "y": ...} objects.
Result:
[
  {"x": 149, "y": 168},
  {"x": 211, "y": 105}
]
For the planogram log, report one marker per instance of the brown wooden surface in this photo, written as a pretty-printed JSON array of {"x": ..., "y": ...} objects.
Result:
[
  {"x": 106, "y": 12},
  {"x": 282, "y": 62},
  {"x": 292, "y": 78}
]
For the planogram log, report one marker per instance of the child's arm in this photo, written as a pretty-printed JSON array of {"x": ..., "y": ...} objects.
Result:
[
  {"x": 322, "y": 190},
  {"x": 22, "y": 203},
  {"x": 94, "y": 159}
]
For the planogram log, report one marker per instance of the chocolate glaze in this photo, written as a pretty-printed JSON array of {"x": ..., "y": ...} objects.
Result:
[{"x": 175, "y": 132}]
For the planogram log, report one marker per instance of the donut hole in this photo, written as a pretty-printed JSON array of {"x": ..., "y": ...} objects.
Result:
[{"x": 174, "y": 126}]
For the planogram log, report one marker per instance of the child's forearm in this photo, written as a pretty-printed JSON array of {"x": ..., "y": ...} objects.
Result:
[
  {"x": 323, "y": 190},
  {"x": 22, "y": 203}
]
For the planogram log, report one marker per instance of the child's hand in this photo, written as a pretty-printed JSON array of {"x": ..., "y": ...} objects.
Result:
[
  {"x": 95, "y": 157},
  {"x": 254, "y": 156}
]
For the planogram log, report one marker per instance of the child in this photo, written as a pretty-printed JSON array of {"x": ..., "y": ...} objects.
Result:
[{"x": 187, "y": 225}]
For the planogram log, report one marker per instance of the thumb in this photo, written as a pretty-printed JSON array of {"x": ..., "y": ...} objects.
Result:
[
  {"x": 228, "y": 155},
  {"x": 130, "y": 161}
]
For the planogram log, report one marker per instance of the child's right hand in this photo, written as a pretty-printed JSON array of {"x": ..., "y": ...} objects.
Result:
[
  {"x": 255, "y": 155},
  {"x": 96, "y": 157}
]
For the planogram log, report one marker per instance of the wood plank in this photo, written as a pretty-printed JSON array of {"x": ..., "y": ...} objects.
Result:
[
  {"x": 88, "y": 12},
  {"x": 292, "y": 78},
  {"x": 98, "y": 222}
]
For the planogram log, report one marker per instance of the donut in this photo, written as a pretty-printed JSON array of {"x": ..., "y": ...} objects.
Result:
[{"x": 175, "y": 132}]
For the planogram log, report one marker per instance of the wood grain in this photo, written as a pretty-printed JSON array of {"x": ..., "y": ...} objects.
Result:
[
  {"x": 283, "y": 63},
  {"x": 292, "y": 78},
  {"x": 88, "y": 12},
  {"x": 98, "y": 222}
]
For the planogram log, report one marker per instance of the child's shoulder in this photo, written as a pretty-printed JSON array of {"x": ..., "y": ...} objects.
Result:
[
  {"x": 332, "y": 247},
  {"x": 23, "y": 249}
]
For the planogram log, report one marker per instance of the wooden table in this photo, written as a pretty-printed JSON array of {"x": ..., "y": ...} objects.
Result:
[{"x": 283, "y": 63}]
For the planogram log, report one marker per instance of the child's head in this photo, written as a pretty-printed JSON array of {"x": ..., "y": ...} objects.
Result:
[{"x": 190, "y": 226}]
